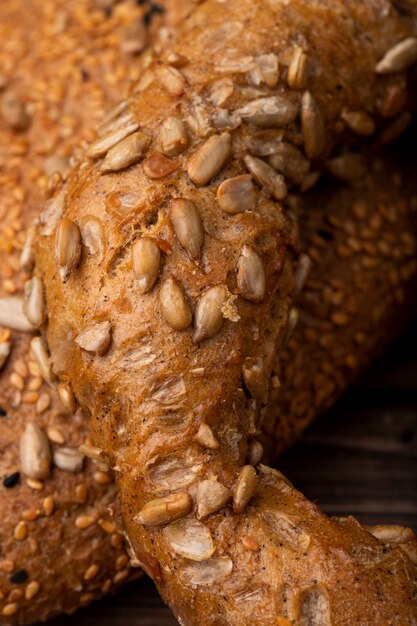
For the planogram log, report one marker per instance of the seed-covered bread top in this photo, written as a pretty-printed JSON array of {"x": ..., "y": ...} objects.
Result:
[{"x": 166, "y": 306}]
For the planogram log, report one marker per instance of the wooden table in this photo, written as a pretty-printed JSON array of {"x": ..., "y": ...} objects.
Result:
[{"x": 361, "y": 459}]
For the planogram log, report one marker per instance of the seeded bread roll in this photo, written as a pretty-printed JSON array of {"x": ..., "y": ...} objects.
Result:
[
  {"x": 131, "y": 256},
  {"x": 59, "y": 548}
]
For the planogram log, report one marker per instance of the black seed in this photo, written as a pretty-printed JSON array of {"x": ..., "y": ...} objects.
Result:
[
  {"x": 141, "y": 2},
  {"x": 325, "y": 234},
  {"x": 19, "y": 577},
  {"x": 149, "y": 15},
  {"x": 85, "y": 75},
  {"x": 11, "y": 480},
  {"x": 3, "y": 412}
]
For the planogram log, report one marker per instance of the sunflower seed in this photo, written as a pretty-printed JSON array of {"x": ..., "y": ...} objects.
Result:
[
  {"x": 209, "y": 159},
  {"x": 173, "y": 136},
  {"x": 191, "y": 539},
  {"x": 172, "y": 80},
  {"x": 211, "y": 496},
  {"x": 92, "y": 452},
  {"x": 289, "y": 161},
  {"x": 174, "y": 306},
  {"x": 237, "y": 194},
  {"x": 92, "y": 236},
  {"x": 68, "y": 459},
  {"x": 210, "y": 571},
  {"x": 126, "y": 152},
  {"x": 165, "y": 510},
  {"x": 266, "y": 177},
  {"x": 312, "y": 123},
  {"x": 313, "y": 607},
  {"x": 27, "y": 257},
  {"x": 298, "y": 69},
  {"x": 245, "y": 488},
  {"x": 254, "y": 378},
  {"x": 187, "y": 224},
  {"x": 205, "y": 437},
  {"x": 360, "y": 122},
  {"x": 266, "y": 71},
  {"x": 303, "y": 270},
  {"x": 391, "y": 533},
  {"x": 34, "y": 305},
  {"x": 209, "y": 314},
  {"x": 52, "y": 213},
  {"x": 399, "y": 57},
  {"x": 347, "y": 167},
  {"x": 101, "y": 146},
  {"x": 158, "y": 166},
  {"x": 95, "y": 338},
  {"x": 66, "y": 396},
  {"x": 251, "y": 277},
  {"x": 146, "y": 259},
  {"x": 5, "y": 347},
  {"x": 35, "y": 453},
  {"x": 41, "y": 355},
  {"x": 255, "y": 452},
  {"x": 67, "y": 248},
  {"x": 264, "y": 142},
  {"x": 269, "y": 112},
  {"x": 220, "y": 91},
  {"x": 112, "y": 114},
  {"x": 12, "y": 316}
]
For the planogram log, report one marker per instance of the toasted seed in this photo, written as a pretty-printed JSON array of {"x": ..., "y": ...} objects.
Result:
[
  {"x": 92, "y": 452},
  {"x": 187, "y": 224},
  {"x": 211, "y": 496},
  {"x": 158, "y": 166},
  {"x": 165, "y": 510},
  {"x": 237, "y": 194},
  {"x": 191, "y": 539},
  {"x": 399, "y": 57},
  {"x": 210, "y": 158},
  {"x": 92, "y": 236},
  {"x": 41, "y": 355},
  {"x": 314, "y": 131},
  {"x": 348, "y": 167},
  {"x": 174, "y": 306},
  {"x": 102, "y": 145},
  {"x": 210, "y": 571},
  {"x": 48, "y": 505},
  {"x": 35, "y": 453},
  {"x": 290, "y": 161},
  {"x": 208, "y": 314},
  {"x": 34, "y": 305},
  {"x": 54, "y": 434},
  {"x": 173, "y": 136},
  {"x": 146, "y": 260},
  {"x": 95, "y": 338},
  {"x": 271, "y": 112},
  {"x": 298, "y": 69},
  {"x": 68, "y": 459},
  {"x": 172, "y": 80},
  {"x": 126, "y": 152},
  {"x": 10, "y": 609},
  {"x": 266, "y": 177},
  {"x": 265, "y": 71},
  {"x": 84, "y": 521},
  {"x": 251, "y": 277},
  {"x": 27, "y": 257},
  {"x": 255, "y": 452},
  {"x": 12, "y": 315},
  {"x": 360, "y": 122},
  {"x": 205, "y": 437},
  {"x": 245, "y": 488},
  {"x": 251, "y": 544},
  {"x": 66, "y": 396},
  {"x": 5, "y": 347},
  {"x": 67, "y": 248},
  {"x": 32, "y": 589}
]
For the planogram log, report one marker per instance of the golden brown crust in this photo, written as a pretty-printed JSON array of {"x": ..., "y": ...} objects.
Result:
[{"x": 150, "y": 386}]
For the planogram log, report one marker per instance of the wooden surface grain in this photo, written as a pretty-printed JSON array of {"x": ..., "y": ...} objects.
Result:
[{"x": 360, "y": 459}]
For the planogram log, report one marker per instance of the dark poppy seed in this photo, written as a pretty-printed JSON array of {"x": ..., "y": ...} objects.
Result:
[
  {"x": 3, "y": 412},
  {"x": 19, "y": 577},
  {"x": 149, "y": 15},
  {"x": 11, "y": 480}
]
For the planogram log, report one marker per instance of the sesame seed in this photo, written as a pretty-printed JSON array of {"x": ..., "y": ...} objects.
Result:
[
  {"x": 20, "y": 531},
  {"x": 91, "y": 572},
  {"x": 81, "y": 493},
  {"x": 48, "y": 505},
  {"x": 36, "y": 485},
  {"x": 10, "y": 609},
  {"x": 84, "y": 521},
  {"x": 107, "y": 525},
  {"x": 32, "y": 589}
]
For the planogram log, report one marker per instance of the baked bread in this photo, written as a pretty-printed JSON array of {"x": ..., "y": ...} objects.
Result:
[{"x": 175, "y": 426}]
